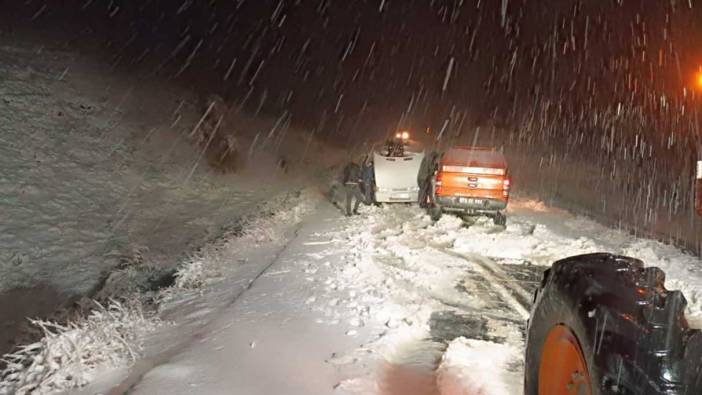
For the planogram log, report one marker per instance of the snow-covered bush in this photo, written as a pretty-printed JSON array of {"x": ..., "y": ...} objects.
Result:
[
  {"x": 195, "y": 274},
  {"x": 215, "y": 138},
  {"x": 69, "y": 355}
]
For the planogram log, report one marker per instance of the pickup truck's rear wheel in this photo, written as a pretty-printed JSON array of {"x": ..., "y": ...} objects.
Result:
[{"x": 499, "y": 219}]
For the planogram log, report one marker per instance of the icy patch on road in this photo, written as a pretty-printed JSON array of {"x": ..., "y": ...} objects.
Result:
[
  {"x": 475, "y": 367},
  {"x": 71, "y": 356}
]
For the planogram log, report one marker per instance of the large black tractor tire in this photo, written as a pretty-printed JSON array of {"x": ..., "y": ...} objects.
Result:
[{"x": 631, "y": 332}]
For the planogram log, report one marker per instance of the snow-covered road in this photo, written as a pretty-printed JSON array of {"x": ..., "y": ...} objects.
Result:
[
  {"x": 310, "y": 302},
  {"x": 268, "y": 341}
]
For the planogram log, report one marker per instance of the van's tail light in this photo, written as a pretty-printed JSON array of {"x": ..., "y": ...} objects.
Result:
[
  {"x": 438, "y": 183},
  {"x": 506, "y": 184}
]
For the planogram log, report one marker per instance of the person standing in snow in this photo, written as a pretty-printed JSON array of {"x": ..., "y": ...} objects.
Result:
[
  {"x": 352, "y": 180},
  {"x": 368, "y": 180},
  {"x": 424, "y": 179}
]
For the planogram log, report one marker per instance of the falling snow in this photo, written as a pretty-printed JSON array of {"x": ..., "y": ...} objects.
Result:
[{"x": 134, "y": 133}]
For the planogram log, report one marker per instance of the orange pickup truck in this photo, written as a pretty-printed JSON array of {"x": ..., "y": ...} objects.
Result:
[{"x": 472, "y": 181}]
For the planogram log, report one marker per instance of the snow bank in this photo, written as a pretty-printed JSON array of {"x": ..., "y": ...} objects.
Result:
[
  {"x": 476, "y": 367},
  {"x": 70, "y": 356},
  {"x": 683, "y": 272}
]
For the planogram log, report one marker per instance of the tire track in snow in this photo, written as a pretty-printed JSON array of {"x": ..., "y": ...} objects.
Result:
[
  {"x": 498, "y": 280},
  {"x": 407, "y": 376}
]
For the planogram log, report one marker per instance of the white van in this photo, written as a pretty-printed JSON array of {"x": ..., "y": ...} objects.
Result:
[{"x": 396, "y": 173}]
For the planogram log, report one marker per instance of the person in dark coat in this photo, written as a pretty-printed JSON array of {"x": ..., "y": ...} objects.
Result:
[
  {"x": 352, "y": 180},
  {"x": 369, "y": 181},
  {"x": 426, "y": 171}
]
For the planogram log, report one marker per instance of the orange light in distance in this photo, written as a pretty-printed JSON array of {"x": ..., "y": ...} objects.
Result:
[{"x": 698, "y": 79}]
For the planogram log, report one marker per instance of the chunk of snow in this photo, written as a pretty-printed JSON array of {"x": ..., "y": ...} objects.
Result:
[{"x": 471, "y": 366}]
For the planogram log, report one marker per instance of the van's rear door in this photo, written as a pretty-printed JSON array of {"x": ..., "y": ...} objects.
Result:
[{"x": 396, "y": 177}]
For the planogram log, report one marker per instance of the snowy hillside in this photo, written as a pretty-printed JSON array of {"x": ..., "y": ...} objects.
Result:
[{"x": 99, "y": 172}]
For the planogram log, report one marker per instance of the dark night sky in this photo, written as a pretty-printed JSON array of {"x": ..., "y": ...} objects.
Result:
[{"x": 351, "y": 65}]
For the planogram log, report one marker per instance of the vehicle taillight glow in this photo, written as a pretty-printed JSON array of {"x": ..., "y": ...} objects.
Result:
[
  {"x": 505, "y": 187},
  {"x": 437, "y": 184}
]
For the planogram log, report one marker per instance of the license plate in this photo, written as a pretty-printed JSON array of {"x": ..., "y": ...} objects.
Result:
[{"x": 401, "y": 196}]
